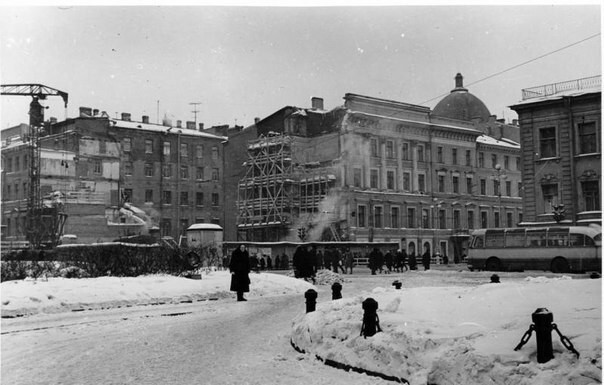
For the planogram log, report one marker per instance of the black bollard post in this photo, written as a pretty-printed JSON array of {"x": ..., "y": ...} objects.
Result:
[
  {"x": 336, "y": 290},
  {"x": 371, "y": 322},
  {"x": 542, "y": 318},
  {"x": 397, "y": 284},
  {"x": 311, "y": 300},
  {"x": 495, "y": 278}
]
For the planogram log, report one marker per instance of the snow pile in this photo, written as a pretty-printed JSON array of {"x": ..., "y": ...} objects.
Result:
[
  {"x": 55, "y": 295},
  {"x": 463, "y": 335},
  {"x": 328, "y": 277}
]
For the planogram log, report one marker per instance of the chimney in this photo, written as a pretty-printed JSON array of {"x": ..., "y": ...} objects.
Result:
[
  {"x": 316, "y": 103},
  {"x": 53, "y": 120},
  {"x": 95, "y": 112},
  {"x": 126, "y": 116},
  {"x": 458, "y": 81},
  {"x": 145, "y": 119},
  {"x": 190, "y": 125},
  {"x": 200, "y": 126},
  {"x": 179, "y": 124},
  {"x": 85, "y": 112}
]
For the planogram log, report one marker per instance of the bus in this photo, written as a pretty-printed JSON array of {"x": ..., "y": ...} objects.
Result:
[{"x": 558, "y": 249}]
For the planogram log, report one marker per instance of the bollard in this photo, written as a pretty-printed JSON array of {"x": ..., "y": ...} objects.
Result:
[
  {"x": 397, "y": 285},
  {"x": 495, "y": 278},
  {"x": 311, "y": 300},
  {"x": 336, "y": 290},
  {"x": 542, "y": 318},
  {"x": 371, "y": 322}
]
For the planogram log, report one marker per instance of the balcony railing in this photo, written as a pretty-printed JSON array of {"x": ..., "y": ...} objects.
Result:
[{"x": 556, "y": 88}]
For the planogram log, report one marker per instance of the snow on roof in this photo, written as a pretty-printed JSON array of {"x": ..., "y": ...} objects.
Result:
[
  {"x": 485, "y": 139},
  {"x": 559, "y": 95},
  {"x": 204, "y": 226},
  {"x": 168, "y": 130}
]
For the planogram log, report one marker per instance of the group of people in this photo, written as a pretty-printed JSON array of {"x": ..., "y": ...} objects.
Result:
[{"x": 396, "y": 260}]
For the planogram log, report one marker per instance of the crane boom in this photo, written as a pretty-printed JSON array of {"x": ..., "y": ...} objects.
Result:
[{"x": 42, "y": 225}]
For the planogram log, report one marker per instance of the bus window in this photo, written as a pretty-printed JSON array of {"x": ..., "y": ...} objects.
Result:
[
  {"x": 535, "y": 238},
  {"x": 515, "y": 238},
  {"x": 494, "y": 239},
  {"x": 577, "y": 239},
  {"x": 557, "y": 237},
  {"x": 477, "y": 242},
  {"x": 589, "y": 241}
]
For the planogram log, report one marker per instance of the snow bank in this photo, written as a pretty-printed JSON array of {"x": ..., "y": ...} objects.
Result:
[
  {"x": 463, "y": 335},
  {"x": 55, "y": 295}
]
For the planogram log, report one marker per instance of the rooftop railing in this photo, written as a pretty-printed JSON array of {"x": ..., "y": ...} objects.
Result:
[{"x": 556, "y": 88}]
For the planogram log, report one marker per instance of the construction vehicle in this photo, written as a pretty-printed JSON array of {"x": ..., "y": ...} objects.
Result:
[{"x": 45, "y": 216}]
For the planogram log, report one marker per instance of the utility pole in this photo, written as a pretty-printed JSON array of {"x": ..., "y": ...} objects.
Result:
[{"x": 195, "y": 110}]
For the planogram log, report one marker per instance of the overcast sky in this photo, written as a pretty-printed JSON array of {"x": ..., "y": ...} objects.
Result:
[{"x": 246, "y": 62}]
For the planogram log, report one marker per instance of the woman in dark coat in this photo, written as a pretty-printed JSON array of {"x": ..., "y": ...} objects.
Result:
[{"x": 240, "y": 269}]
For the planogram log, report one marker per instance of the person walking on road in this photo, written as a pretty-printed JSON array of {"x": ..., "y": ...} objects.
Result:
[{"x": 240, "y": 270}]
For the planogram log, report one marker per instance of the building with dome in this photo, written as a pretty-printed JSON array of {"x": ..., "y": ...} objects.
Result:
[{"x": 377, "y": 170}]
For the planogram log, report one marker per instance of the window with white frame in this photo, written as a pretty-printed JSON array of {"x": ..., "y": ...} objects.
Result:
[
  {"x": 547, "y": 142},
  {"x": 373, "y": 178},
  {"x": 588, "y": 140}
]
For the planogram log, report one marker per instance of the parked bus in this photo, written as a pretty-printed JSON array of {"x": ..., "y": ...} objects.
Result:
[{"x": 559, "y": 249}]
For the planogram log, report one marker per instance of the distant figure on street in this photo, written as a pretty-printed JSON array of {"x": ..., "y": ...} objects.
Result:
[
  {"x": 348, "y": 261},
  {"x": 277, "y": 262},
  {"x": 388, "y": 258},
  {"x": 240, "y": 270},
  {"x": 426, "y": 259},
  {"x": 412, "y": 261},
  {"x": 269, "y": 263}
]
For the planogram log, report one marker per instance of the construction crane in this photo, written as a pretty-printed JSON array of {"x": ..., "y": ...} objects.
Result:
[{"x": 43, "y": 225}]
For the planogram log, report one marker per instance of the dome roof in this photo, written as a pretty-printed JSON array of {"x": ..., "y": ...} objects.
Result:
[{"x": 461, "y": 105}]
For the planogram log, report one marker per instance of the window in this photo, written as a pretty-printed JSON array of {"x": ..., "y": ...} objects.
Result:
[
  {"x": 127, "y": 195},
  {"x": 456, "y": 184},
  {"x": 390, "y": 149},
  {"x": 17, "y": 165},
  {"x": 508, "y": 188},
  {"x": 215, "y": 175},
  {"x": 184, "y": 150},
  {"x": 484, "y": 219},
  {"x": 148, "y": 195},
  {"x": 148, "y": 146},
  {"x": 469, "y": 186},
  {"x": 184, "y": 198},
  {"x": 199, "y": 199},
  {"x": 373, "y": 143},
  {"x": 166, "y": 197},
  {"x": 215, "y": 199},
  {"x": 24, "y": 188},
  {"x": 8, "y": 192},
  {"x": 184, "y": 172},
  {"x": 406, "y": 155},
  {"x": 166, "y": 171},
  {"x": 361, "y": 213},
  {"x": 390, "y": 180},
  {"x": 456, "y": 219},
  {"x": 199, "y": 173},
  {"x": 127, "y": 168},
  {"x": 411, "y": 218},
  {"x": 420, "y": 152},
  {"x": 127, "y": 144},
  {"x": 547, "y": 142},
  {"x": 439, "y": 154},
  {"x": 496, "y": 213},
  {"x": 510, "y": 219},
  {"x": 184, "y": 224},
  {"x": 166, "y": 226},
  {"x": 518, "y": 163},
  {"x": 102, "y": 147},
  {"x": 421, "y": 182},
  {"x": 494, "y": 160},
  {"x": 377, "y": 215},
  {"x": 394, "y": 214},
  {"x": 454, "y": 156},
  {"x": 442, "y": 219},
  {"x": 506, "y": 162},
  {"x": 97, "y": 167},
  {"x": 483, "y": 187},
  {"x": 215, "y": 153},
  {"x": 468, "y": 157},
  {"x": 9, "y": 165},
  {"x": 373, "y": 178},
  {"x": 406, "y": 181},
  {"x": 496, "y": 188},
  {"x": 441, "y": 183},
  {"x": 591, "y": 195},
  {"x": 519, "y": 217},
  {"x": 199, "y": 151},
  {"x": 149, "y": 169},
  {"x": 357, "y": 172},
  {"x": 481, "y": 159},
  {"x": 16, "y": 191},
  {"x": 520, "y": 191},
  {"x": 470, "y": 219},
  {"x": 425, "y": 219},
  {"x": 588, "y": 141},
  {"x": 167, "y": 148},
  {"x": 550, "y": 196}
]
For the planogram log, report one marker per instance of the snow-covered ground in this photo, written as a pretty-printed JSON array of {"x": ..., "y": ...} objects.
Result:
[{"x": 431, "y": 335}]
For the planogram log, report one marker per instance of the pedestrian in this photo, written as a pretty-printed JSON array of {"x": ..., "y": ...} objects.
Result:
[
  {"x": 254, "y": 263},
  {"x": 403, "y": 261},
  {"x": 412, "y": 261},
  {"x": 277, "y": 262},
  {"x": 376, "y": 259},
  {"x": 335, "y": 261},
  {"x": 348, "y": 261},
  {"x": 388, "y": 258},
  {"x": 327, "y": 259},
  {"x": 269, "y": 263},
  {"x": 285, "y": 262},
  {"x": 426, "y": 258},
  {"x": 240, "y": 270},
  {"x": 262, "y": 263}
]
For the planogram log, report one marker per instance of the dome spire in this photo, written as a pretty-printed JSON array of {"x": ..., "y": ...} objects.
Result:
[{"x": 459, "y": 83}]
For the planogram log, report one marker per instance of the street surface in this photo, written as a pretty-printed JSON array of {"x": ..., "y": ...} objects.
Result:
[{"x": 212, "y": 342}]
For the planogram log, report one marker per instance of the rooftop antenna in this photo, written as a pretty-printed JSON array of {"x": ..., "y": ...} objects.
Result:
[{"x": 195, "y": 110}]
